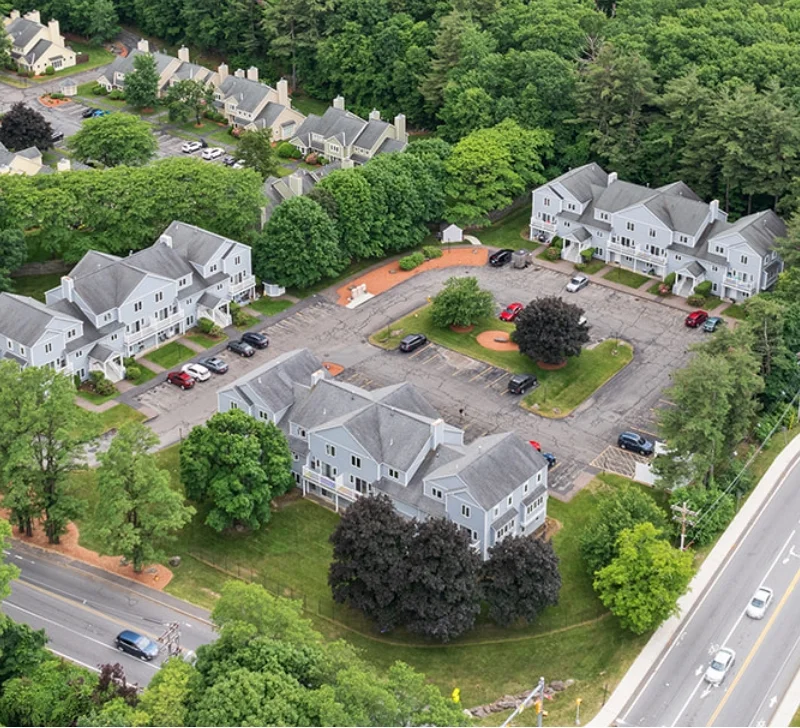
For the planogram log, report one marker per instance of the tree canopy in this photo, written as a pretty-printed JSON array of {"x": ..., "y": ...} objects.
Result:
[
  {"x": 115, "y": 139},
  {"x": 141, "y": 84},
  {"x": 461, "y": 303},
  {"x": 255, "y": 149},
  {"x": 549, "y": 330},
  {"x": 22, "y": 127}
]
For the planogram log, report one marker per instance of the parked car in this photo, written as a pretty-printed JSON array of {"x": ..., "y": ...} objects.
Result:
[
  {"x": 181, "y": 379},
  {"x": 499, "y": 258},
  {"x": 57, "y": 136},
  {"x": 521, "y": 383},
  {"x": 191, "y": 147},
  {"x": 213, "y": 153},
  {"x": 551, "y": 459},
  {"x": 215, "y": 364},
  {"x": 259, "y": 341},
  {"x": 713, "y": 323},
  {"x": 720, "y": 666},
  {"x": 635, "y": 443},
  {"x": 535, "y": 445},
  {"x": 695, "y": 319},
  {"x": 238, "y": 164},
  {"x": 228, "y": 160},
  {"x": 197, "y": 372},
  {"x": 413, "y": 342},
  {"x": 510, "y": 312},
  {"x": 759, "y": 603},
  {"x": 88, "y": 111},
  {"x": 576, "y": 283},
  {"x": 137, "y": 645},
  {"x": 241, "y": 348},
  {"x": 100, "y": 112}
]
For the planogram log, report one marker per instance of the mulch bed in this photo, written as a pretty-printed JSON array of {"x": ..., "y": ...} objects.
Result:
[
  {"x": 489, "y": 340},
  {"x": 51, "y": 103}
]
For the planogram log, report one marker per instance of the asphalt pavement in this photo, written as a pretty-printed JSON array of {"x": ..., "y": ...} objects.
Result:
[{"x": 82, "y": 609}]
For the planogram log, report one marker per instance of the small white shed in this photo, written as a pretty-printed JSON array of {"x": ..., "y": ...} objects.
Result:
[{"x": 452, "y": 234}]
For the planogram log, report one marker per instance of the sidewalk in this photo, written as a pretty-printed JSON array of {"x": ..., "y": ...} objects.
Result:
[{"x": 669, "y": 630}]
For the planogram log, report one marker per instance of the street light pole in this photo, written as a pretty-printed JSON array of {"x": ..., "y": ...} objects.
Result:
[{"x": 525, "y": 703}]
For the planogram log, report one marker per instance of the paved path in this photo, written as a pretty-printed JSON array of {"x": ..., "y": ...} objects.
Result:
[{"x": 92, "y": 407}]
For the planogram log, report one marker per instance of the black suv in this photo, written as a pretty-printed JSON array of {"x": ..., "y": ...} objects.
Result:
[
  {"x": 521, "y": 383},
  {"x": 412, "y": 342},
  {"x": 88, "y": 112},
  {"x": 258, "y": 340},
  {"x": 241, "y": 348},
  {"x": 635, "y": 443},
  {"x": 57, "y": 136},
  {"x": 499, "y": 258},
  {"x": 137, "y": 645}
]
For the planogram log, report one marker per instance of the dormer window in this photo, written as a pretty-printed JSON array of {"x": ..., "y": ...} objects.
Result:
[
  {"x": 604, "y": 216},
  {"x": 71, "y": 334},
  {"x": 159, "y": 296},
  {"x": 437, "y": 493},
  {"x": 630, "y": 226},
  {"x": 510, "y": 501},
  {"x": 107, "y": 317},
  {"x": 652, "y": 233},
  {"x": 182, "y": 283},
  {"x": 213, "y": 268},
  {"x": 394, "y": 474},
  {"x": 683, "y": 238},
  {"x": 547, "y": 202}
]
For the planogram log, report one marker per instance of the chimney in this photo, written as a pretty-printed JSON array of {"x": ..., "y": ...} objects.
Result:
[
  {"x": 612, "y": 177},
  {"x": 400, "y": 128},
  {"x": 283, "y": 92},
  {"x": 338, "y": 103},
  {"x": 713, "y": 209},
  {"x": 14, "y": 15},
  {"x": 374, "y": 115},
  {"x": 34, "y": 16},
  {"x": 222, "y": 70},
  {"x": 55, "y": 32},
  {"x": 317, "y": 376},
  {"x": 63, "y": 165},
  {"x": 239, "y": 73},
  {"x": 166, "y": 239},
  {"x": 252, "y": 73},
  {"x": 348, "y": 164},
  {"x": 143, "y": 45},
  {"x": 183, "y": 54},
  {"x": 437, "y": 433},
  {"x": 67, "y": 288},
  {"x": 296, "y": 184}
]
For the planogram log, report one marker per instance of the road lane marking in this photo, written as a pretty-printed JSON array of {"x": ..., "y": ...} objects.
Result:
[
  {"x": 417, "y": 353},
  {"x": 775, "y": 679},
  {"x": 480, "y": 374},
  {"x": 755, "y": 648},
  {"x": 72, "y": 659},
  {"x": 686, "y": 704}
]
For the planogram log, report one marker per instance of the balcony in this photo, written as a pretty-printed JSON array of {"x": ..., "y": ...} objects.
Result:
[
  {"x": 636, "y": 253},
  {"x": 548, "y": 227},
  {"x": 738, "y": 284},
  {"x": 245, "y": 284},
  {"x": 320, "y": 479},
  {"x": 154, "y": 327}
]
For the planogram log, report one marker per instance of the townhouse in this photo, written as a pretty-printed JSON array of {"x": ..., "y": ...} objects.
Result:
[
  {"x": 347, "y": 442},
  {"x": 26, "y": 161},
  {"x": 659, "y": 231},
  {"x": 300, "y": 182},
  {"x": 35, "y": 46},
  {"x": 109, "y": 308}
]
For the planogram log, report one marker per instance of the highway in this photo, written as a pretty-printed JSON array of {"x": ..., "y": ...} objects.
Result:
[
  {"x": 82, "y": 609},
  {"x": 674, "y": 693}
]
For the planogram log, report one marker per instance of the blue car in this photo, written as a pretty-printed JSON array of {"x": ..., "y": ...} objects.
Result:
[{"x": 100, "y": 112}]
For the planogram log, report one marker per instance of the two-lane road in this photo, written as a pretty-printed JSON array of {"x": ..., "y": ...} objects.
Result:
[
  {"x": 675, "y": 693},
  {"x": 83, "y": 609}
]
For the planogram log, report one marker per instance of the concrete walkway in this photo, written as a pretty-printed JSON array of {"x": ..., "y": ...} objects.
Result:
[
  {"x": 87, "y": 405},
  {"x": 669, "y": 630}
]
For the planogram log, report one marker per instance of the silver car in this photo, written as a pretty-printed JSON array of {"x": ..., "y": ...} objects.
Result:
[
  {"x": 720, "y": 665},
  {"x": 577, "y": 283},
  {"x": 759, "y": 603},
  {"x": 212, "y": 153}
]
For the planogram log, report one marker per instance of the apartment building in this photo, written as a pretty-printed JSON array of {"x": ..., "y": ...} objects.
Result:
[{"x": 35, "y": 46}]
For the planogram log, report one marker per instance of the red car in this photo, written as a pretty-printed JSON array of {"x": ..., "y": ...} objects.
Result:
[
  {"x": 180, "y": 379},
  {"x": 511, "y": 312},
  {"x": 535, "y": 445},
  {"x": 696, "y": 318}
]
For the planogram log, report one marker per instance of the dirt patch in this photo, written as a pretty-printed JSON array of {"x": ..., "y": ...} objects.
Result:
[
  {"x": 461, "y": 329},
  {"x": 51, "y": 103},
  {"x": 389, "y": 275},
  {"x": 155, "y": 576},
  {"x": 551, "y": 367},
  {"x": 496, "y": 341},
  {"x": 333, "y": 369}
]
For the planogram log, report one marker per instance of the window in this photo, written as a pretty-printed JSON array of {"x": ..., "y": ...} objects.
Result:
[
  {"x": 295, "y": 456},
  {"x": 437, "y": 493},
  {"x": 535, "y": 505},
  {"x": 714, "y": 287},
  {"x": 510, "y": 501},
  {"x": 529, "y": 509},
  {"x": 361, "y": 485},
  {"x": 190, "y": 320},
  {"x": 137, "y": 306},
  {"x": 107, "y": 317},
  {"x": 330, "y": 450},
  {"x": 22, "y": 350},
  {"x": 237, "y": 260},
  {"x": 78, "y": 354},
  {"x": 219, "y": 286},
  {"x": 570, "y": 206},
  {"x": 263, "y": 415},
  {"x": 506, "y": 528},
  {"x": 604, "y": 216},
  {"x": 539, "y": 477},
  {"x": 301, "y": 432},
  {"x": 355, "y": 461},
  {"x": 9, "y": 343},
  {"x": 48, "y": 348},
  {"x": 630, "y": 226},
  {"x": 677, "y": 257},
  {"x": 719, "y": 249},
  {"x": 683, "y": 238},
  {"x": 335, "y": 149},
  {"x": 496, "y": 511},
  {"x": 234, "y": 405},
  {"x": 182, "y": 282},
  {"x": 296, "y": 478},
  {"x": 547, "y": 202},
  {"x": 527, "y": 486},
  {"x": 652, "y": 233},
  {"x": 213, "y": 268},
  {"x": 394, "y": 474},
  {"x": 743, "y": 260},
  {"x": 714, "y": 268},
  {"x": 71, "y": 334},
  {"x": 466, "y": 511},
  {"x": 159, "y": 296},
  {"x": 566, "y": 223}
]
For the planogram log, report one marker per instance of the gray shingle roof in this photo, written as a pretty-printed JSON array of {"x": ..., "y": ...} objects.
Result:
[
  {"x": 107, "y": 287},
  {"x": 539, "y": 490},
  {"x": 404, "y": 396},
  {"x": 620, "y": 195},
  {"x": 195, "y": 244},
  {"x": 759, "y": 230},
  {"x": 102, "y": 353},
  {"x": 24, "y": 319},
  {"x": 580, "y": 233},
  {"x": 162, "y": 261},
  {"x": 327, "y": 401},
  {"x": 11, "y": 356},
  {"x": 579, "y": 181},
  {"x": 682, "y": 214},
  {"x": 334, "y": 123},
  {"x": 371, "y": 133},
  {"x": 125, "y": 65},
  {"x": 269, "y": 114},
  {"x": 680, "y": 188},
  {"x": 507, "y": 517},
  {"x": 35, "y": 53},
  {"x": 391, "y": 145},
  {"x": 249, "y": 94},
  {"x": 694, "y": 269},
  {"x": 23, "y": 31}
]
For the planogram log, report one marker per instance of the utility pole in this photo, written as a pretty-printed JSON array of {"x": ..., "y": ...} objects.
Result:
[
  {"x": 685, "y": 517},
  {"x": 539, "y": 689},
  {"x": 171, "y": 639}
]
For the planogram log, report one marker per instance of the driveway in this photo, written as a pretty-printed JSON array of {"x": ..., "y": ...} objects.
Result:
[{"x": 468, "y": 393}]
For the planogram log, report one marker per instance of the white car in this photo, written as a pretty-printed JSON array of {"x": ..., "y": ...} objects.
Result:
[
  {"x": 720, "y": 665},
  {"x": 577, "y": 283},
  {"x": 191, "y": 147},
  {"x": 759, "y": 603},
  {"x": 213, "y": 153},
  {"x": 238, "y": 164},
  {"x": 197, "y": 372}
]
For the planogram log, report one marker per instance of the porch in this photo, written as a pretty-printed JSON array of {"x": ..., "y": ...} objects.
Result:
[
  {"x": 215, "y": 309},
  {"x": 105, "y": 360},
  {"x": 687, "y": 278}
]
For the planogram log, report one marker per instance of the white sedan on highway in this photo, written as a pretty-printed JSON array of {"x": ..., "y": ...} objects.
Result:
[
  {"x": 197, "y": 372},
  {"x": 213, "y": 153},
  {"x": 759, "y": 603},
  {"x": 720, "y": 665}
]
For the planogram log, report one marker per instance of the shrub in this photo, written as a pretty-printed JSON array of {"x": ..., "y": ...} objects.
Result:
[
  {"x": 461, "y": 303},
  {"x": 553, "y": 253},
  {"x": 99, "y": 90},
  {"x": 100, "y": 384},
  {"x": 411, "y": 261},
  {"x": 587, "y": 255},
  {"x": 49, "y": 71},
  {"x": 322, "y": 160},
  {"x": 311, "y": 158},
  {"x": 56, "y": 95},
  {"x": 703, "y": 289},
  {"x": 129, "y": 361},
  {"x": 670, "y": 280},
  {"x": 557, "y": 243},
  {"x": 695, "y": 300},
  {"x": 238, "y": 317},
  {"x": 214, "y": 115},
  {"x": 287, "y": 150},
  {"x": 117, "y": 95},
  {"x": 580, "y": 266},
  {"x": 209, "y": 328},
  {"x": 133, "y": 372},
  {"x": 432, "y": 251}
]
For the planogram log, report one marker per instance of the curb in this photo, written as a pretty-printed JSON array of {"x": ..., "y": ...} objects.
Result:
[
  {"x": 664, "y": 636},
  {"x": 789, "y": 705}
]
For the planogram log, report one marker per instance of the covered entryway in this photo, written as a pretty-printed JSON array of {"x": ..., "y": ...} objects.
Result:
[
  {"x": 575, "y": 243},
  {"x": 211, "y": 307},
  {"x": 687, "y": 278},
  {"x": 108, "y": 361}
]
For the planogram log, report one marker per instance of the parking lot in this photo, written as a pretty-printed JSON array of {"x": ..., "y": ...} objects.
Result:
[{"x": 472, "y": 394}]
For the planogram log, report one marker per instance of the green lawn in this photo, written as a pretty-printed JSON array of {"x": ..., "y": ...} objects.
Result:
[
  {"x": 95, "y": 398},
  {"x": 121, "y": 414},
  {"x": 710, "y": 303},
  {"x": 220, "y": 136},
  {"x": 283, "y": 171},
  {"x": 306, "y": 105},
  {"x": 204, "y": 340},
  {"x": 654, "y": 290},
  {"x": 98, "y": 56},
  {"x": 145, "y": 374},
  {"x": 86, "y": 96},
  {"x": 796, "y": 720},
  {"x": 561, "y": 389},
  {"x": 594, "y": 266},
  {"x": 36, "y": 286},
  {"x": 247, "y": 322},
  {"x": 170, "y": 354},
  {"x": 626, "y": 277},
  {"x": 270, "y": 306},
  {"x": 507, "y": 232},
  {"x": 735, "y": 310}
]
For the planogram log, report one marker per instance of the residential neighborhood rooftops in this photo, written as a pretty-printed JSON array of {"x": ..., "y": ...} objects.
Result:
[
  {"x": 249, "y": 94},
  {"x": 25, "y": 320},
  {"x": 194, "y": 243},
  {"x": 23, "y": 31}
]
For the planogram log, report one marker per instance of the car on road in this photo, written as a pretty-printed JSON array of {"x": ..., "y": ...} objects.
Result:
[
  {"x": 181, "y": 379},
  {"x": 215, "y": 364},
  {"x": 695, "y": 319},
  {"x": 57, "y": 136},
  {"x": 576, "y": 283},
  {"x": 759, "y": 603},
  {"x": 551, "y": 459},
  {"x": 100, "y": 112},
  {"x": 500, "y": 257},
  {"x": 197, "y": 372},
  {"x": 191, "y": 147},
  {"x": 137, "y": 645},
  {"x": 412, "y": 342},
  {"x": 510, "y": 312},
  {"x": 713, "y": 323},
  {"x": 259, "y": 341},
  {"x": 229, "y": 160},
  {"x": 635, "y": 443},
  {"x": 88, "y": 111},
  {"x": 238, "y": 164},
  {"x": 213, "y": 153},
  {"x": 521, "y": 383},
  {"x": 720, "y": 666},
  {"x": 242, "y": 348}
]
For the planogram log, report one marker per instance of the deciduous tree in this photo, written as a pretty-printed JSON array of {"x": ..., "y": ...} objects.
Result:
[
  {"x": 187, "y": 98},
  {"x": 715, "y": 508},
  {"x": 141, "y": 84},
  {"x": 549, "y": 330},
  {"x": 354, "y": 211},
  {"x": 255, "y": 148},
  {"x": 461, "y": 303},
  {"x": 13, "y": 253},
  {"x": 21, "y": 648},
  {"x": 8, "y": 572},
  {"x": 22, "y": 127},
  {"x": 114, "y": 140},
  {"x": 171, "y": 693}
]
